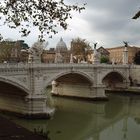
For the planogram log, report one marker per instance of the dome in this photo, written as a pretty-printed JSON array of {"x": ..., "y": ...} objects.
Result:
[{"x": 61, "y": 46}]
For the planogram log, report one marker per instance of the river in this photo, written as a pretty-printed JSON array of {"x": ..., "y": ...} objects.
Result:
[{"x": 116, "y": 119}]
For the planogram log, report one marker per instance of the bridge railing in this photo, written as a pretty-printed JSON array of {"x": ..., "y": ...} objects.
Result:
[
  {"x": 13, "y": 65},
  {"x": 78, "y": 65},
  {"x": 58, "y": 65}
]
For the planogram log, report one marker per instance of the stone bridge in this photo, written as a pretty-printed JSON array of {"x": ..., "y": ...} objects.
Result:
[{"x": 30, "y": 82}]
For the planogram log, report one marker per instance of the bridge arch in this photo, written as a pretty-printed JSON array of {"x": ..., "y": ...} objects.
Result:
[
  {"x": 83, "y": 75},
  {"x": 72, "y": 84},
  {"x": 13, "y": 83},
  {"x": 114, "y": 79}
]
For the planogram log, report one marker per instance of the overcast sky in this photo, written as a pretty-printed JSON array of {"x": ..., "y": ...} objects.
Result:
[{"x": 107, "y": 22}]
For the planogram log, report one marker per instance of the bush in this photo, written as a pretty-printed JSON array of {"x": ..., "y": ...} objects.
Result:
[
  {"x": 104, "y": 59},
  {"x": 137, "y": 58}
]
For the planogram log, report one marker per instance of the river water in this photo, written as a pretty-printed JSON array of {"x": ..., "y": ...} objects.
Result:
[{"x": 116, "y": 119}]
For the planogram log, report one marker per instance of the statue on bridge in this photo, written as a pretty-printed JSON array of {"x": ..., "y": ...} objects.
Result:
[
  {"x": 35, "y": 52},
  {"x": 58, "y": 58},
  {"x": 96, "y": 55},
  {"x": 95, "y": 44},
  {"x": 125, "y": 43},
  {"x": 125, "y": 53}
]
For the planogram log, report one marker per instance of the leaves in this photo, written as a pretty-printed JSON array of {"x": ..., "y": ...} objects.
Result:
[
  {"x": 104, "y": 59},
  {"x": 80, "y": 47},
  {"x": 46, "y": 15},
  {"x": 137, "y": 58},
  {"x": 137, "y": 15}
]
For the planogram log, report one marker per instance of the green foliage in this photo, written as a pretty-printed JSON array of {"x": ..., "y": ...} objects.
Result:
[
  {"x": 137, "y": 15},
  {"x": 22, "y": 44},
  {"x": 46, "y": 15},
  {"x": 80, "y": 47},
  {"x": 137, "y": 58},
  {"x": 104, "y": 59}
]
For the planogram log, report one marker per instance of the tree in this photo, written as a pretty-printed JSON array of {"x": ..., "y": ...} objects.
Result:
[
  {"x": 104, "y": 59},
  {"x": 47, "y": 15},
  {"x": 137, "y": 15},
  {"x": 79, "y": 48},
  {"x": 137, "y": 58}
]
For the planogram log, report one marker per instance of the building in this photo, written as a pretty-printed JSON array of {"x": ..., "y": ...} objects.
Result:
[
  {"x": 103, "y": 52},
  {"x": 48, "y": 56},
  {"x": 116, "y": 54},
  {"x": 10, "y": 51},
  {"x": 60, "y": 54}
]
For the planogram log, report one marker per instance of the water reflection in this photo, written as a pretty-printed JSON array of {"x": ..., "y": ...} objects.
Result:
[{"x": 116, "y": 119}]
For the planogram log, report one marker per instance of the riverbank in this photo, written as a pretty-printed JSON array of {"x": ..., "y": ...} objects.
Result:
[{"x": 12, "y": 131}]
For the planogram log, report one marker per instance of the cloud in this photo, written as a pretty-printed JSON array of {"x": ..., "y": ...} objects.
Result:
[{"x": 107, "y": 22}]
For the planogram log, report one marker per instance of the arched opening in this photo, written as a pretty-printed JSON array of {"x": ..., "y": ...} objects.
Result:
[
  {"x": 114, "y": 80},
  {"x": 72, "y": 84},
  {"x": 11, "y": 90},
  {"x": 73, "y": 78},
  {"x": 12, "y": 98}
]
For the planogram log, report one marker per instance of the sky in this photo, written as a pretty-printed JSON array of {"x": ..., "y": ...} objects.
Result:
[{"x": 107, "y": 22}]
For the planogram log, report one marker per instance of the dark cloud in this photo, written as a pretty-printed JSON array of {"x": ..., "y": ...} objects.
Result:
[
  {"x": 113, "y": 18},
  {"x": 115, "y": 6},
  {"x": 107, "y": 21},
  {"x": 115, "y": 13}
]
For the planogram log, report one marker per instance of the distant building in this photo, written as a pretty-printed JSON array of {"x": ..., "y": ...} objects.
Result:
[
  {"x": 10, "y": 51},
  {"x": 103, "y": 52},
  {"x": 116, "y": 54},
  {"x": 48, "y": 56},
  {"x": 60, "y": 54}
]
